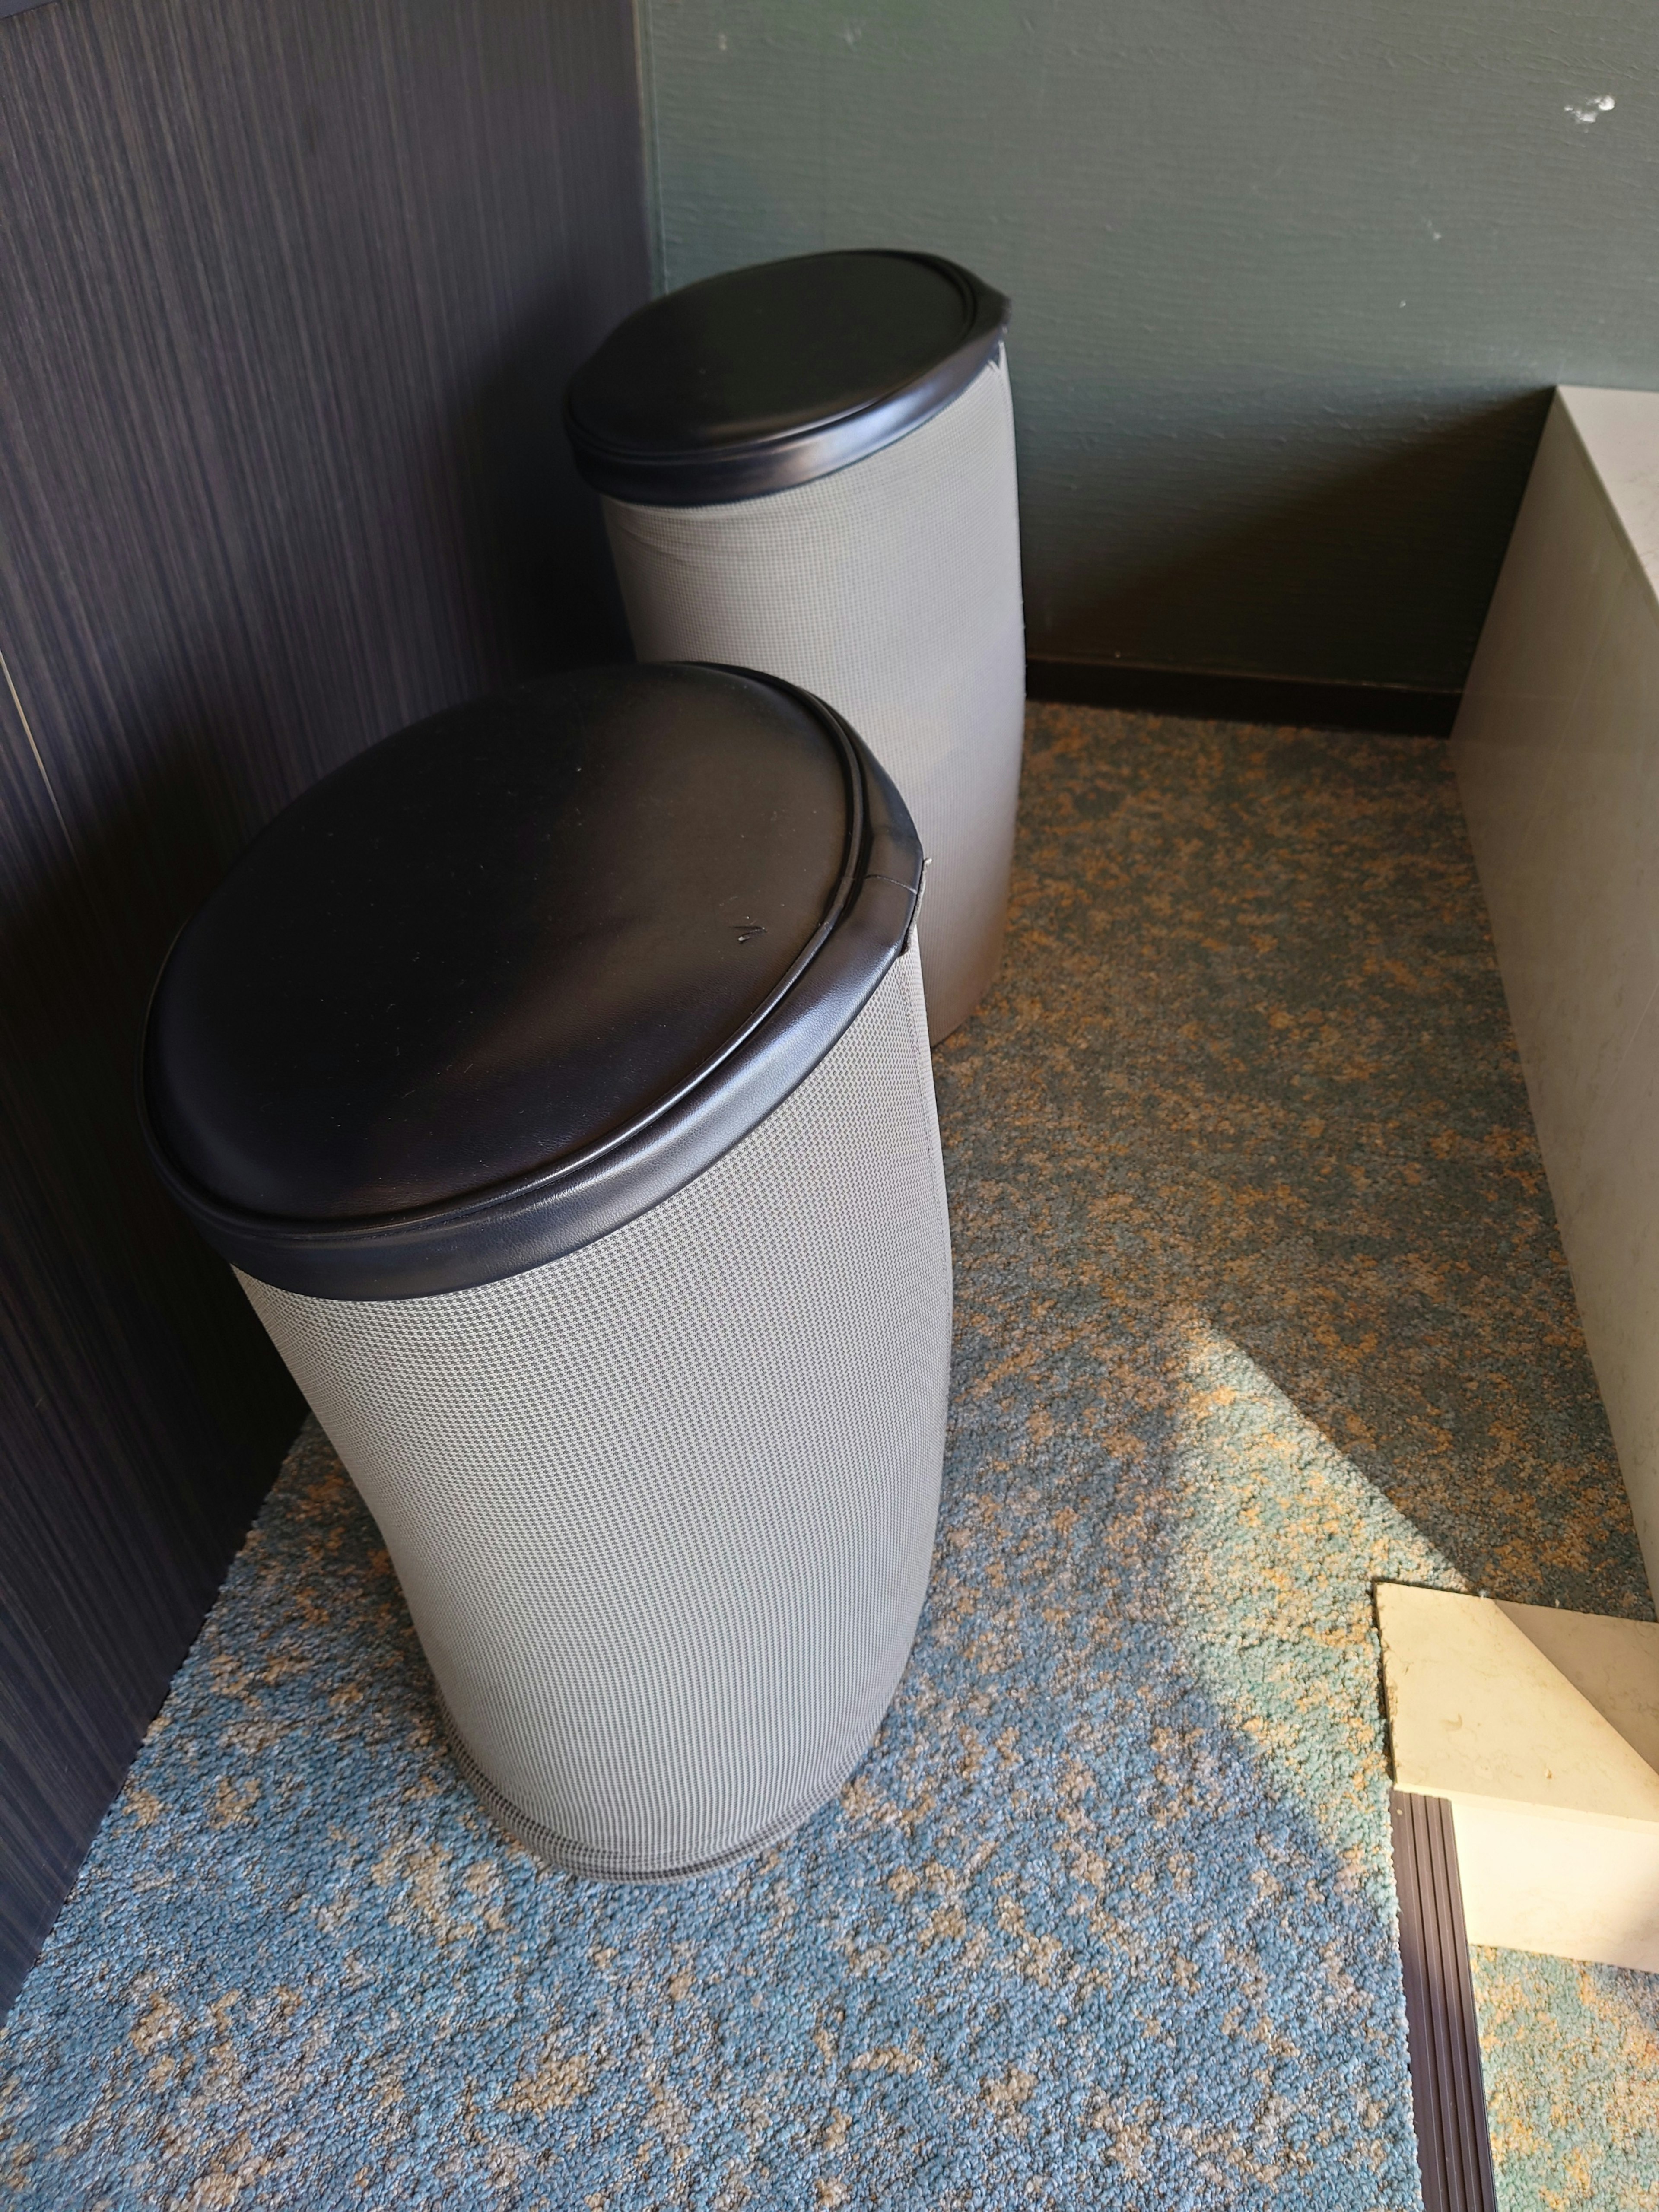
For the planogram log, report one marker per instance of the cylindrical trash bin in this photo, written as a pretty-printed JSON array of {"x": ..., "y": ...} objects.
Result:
[
  {"x": 808, "y": 467},
  {"x": 555, "y": 1077}
]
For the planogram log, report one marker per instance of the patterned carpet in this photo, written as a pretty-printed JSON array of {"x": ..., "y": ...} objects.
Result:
[{"x": 1260, "y": 1297}]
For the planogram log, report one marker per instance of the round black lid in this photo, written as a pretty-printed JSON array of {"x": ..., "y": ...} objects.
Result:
[
  {"x": 516, "y": 973},
  {"x": 775, "y": 375}
]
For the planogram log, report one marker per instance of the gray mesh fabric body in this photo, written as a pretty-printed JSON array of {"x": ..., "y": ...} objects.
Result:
[
  {"x": 891, "y": 589},
  {"x": 663, "y": 1509}
]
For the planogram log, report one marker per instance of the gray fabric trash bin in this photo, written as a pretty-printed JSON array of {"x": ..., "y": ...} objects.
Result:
[
  {"x": 554, "y": 1076},
  {"x": 808, "y": 467}
]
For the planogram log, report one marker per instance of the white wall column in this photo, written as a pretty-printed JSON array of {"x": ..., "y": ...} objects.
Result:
[{"x": 1557, "y": 752}]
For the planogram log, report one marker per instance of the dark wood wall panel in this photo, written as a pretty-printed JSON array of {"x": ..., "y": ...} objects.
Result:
[{"x": 289, "y": 288}]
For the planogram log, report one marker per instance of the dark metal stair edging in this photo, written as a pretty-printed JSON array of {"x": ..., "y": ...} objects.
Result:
[{"x": 1449, "y": 2098}]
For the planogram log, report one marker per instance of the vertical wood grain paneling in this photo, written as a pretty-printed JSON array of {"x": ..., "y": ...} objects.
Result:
[{"x": 289, "y": 290}]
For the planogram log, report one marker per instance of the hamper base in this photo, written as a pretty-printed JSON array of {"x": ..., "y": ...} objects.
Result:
[{"x": 590, "y": 1864}]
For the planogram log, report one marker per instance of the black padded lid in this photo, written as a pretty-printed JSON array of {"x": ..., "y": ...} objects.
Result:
[
  {"x": 774, "y": 375},
  {"x": 507, "y": 978}
]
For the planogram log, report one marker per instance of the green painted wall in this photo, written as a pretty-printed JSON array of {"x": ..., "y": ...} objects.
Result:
[{"x": 1291, "y": 279}]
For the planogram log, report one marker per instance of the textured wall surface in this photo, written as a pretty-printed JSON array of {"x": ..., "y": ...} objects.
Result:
[
  {"x": 290, "y": 289},
  {"x": 1290, "y": 281}
]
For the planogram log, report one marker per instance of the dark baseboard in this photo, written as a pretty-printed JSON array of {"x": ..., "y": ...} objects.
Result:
[
  {"x": 1448, "y": 2097},
  {"x": 1209, "y": 695}
]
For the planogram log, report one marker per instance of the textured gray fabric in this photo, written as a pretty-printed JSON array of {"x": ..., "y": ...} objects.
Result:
[
  {"x": 663, "y": 1509},
  {"x": 891, "y": 589}
]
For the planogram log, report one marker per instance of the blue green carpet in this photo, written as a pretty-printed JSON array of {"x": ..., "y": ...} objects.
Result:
[{"x": 1260, "y": 1298}]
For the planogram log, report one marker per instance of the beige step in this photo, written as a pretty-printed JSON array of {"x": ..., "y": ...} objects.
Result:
[{"x": 1542, "y": 1728}]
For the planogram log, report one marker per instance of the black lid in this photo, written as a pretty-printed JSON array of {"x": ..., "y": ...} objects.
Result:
[
  {"x": 775, "y": 375},
  {"x": 516, "y": 973}
]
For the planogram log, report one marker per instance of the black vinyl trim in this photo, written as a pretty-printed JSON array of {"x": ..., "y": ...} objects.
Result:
[
  {"x": 1449, "y": 2098},
  {"x": 484, "y": 1236},
  {"x": 718, "y": 477},
  {"x": 1208, "y": 694}
]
